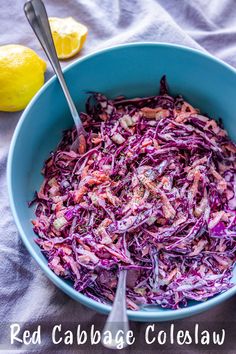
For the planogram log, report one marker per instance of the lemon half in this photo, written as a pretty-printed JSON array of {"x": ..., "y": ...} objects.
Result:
[
  {"x": 21, "y": 76},
  {"x": 68, "y": 36}
]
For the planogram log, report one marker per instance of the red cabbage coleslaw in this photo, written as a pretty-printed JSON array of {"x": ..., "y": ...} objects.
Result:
[{"x": 152, "y": 190}]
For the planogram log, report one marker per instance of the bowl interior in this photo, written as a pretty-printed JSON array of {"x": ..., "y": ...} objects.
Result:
[{"x": 131, "y": 70}]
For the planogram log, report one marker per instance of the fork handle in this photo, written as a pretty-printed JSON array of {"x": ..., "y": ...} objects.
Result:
[{"x": 38, "y": 19}]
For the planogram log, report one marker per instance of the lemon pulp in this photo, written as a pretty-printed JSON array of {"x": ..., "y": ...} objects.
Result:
[{"x": 68, "y": 36}]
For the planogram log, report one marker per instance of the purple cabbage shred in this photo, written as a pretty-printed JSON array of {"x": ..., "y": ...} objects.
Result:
[{"x": 154, "y": 193}]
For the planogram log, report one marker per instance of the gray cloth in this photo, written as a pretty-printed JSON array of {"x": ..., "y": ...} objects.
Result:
[{"x": 25, "y": 292}]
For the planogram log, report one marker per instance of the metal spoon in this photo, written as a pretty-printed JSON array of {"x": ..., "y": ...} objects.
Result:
[
  {"x": 38, "y": 19},
  {"x": 117, "y": 319}
]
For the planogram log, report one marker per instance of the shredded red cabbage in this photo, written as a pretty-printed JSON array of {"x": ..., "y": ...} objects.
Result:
[{"x": 153, "y": 193}]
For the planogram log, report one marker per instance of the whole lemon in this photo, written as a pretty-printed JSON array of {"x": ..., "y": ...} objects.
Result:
[{"x": 21, "y": 76}]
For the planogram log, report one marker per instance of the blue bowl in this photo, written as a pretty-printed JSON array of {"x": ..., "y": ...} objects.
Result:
[{"x": 132, "y": 70}]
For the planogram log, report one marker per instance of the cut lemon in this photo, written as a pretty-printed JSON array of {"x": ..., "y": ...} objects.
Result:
[{"x": 68, "y": 35}]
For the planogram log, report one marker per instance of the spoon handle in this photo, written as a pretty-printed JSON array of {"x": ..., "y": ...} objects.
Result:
[
  {"x": 38, "y": 19},
  {"x": 118, "y": 319}
]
